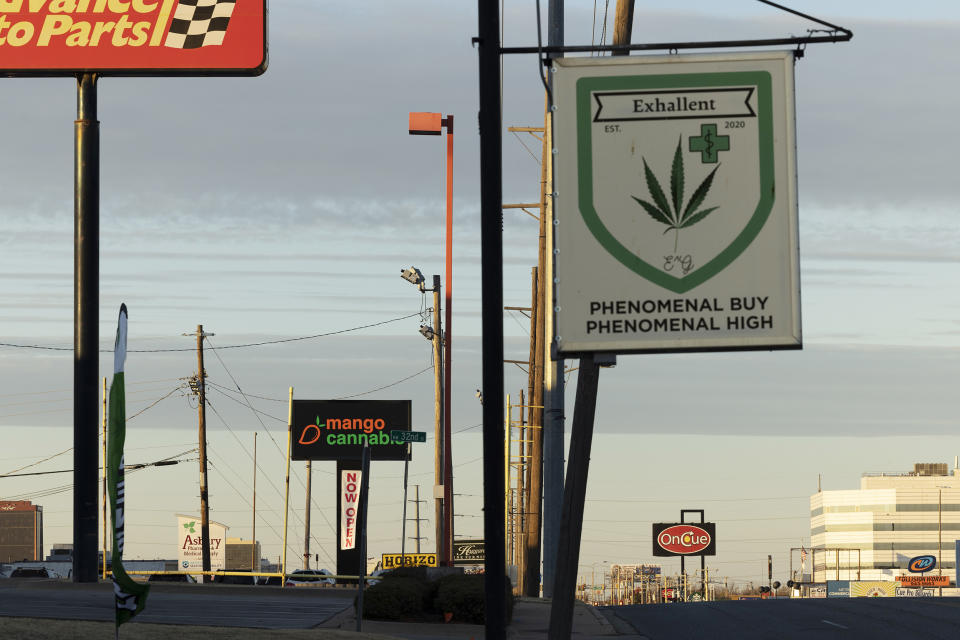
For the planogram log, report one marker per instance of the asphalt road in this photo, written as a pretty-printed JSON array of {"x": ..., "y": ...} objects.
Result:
[
  {"x": 227, "y": 606},
  {"x": 846, "y": 618}
]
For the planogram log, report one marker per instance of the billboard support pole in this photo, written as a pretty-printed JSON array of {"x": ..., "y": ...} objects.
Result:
[
  {"x": 491, "y": 258},
  {"x": 362, "y": 530},
  {"x": 286, "y": 491},
  {"x": 574, "y": 495},
  {"x": 403, "y": 525},
  {"x": 86, "y": 293}
]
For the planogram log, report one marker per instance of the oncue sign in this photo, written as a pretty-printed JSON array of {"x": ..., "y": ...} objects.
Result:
[
  {"x": 133, "y": 37},
  {"x": 684, "y": 539}
]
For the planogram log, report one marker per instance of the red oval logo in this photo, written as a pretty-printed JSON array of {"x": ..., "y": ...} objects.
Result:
[{"x": 683, "y": 538}]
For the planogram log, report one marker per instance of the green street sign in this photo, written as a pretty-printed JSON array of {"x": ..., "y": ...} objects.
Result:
[{"x": 408, "y": 436}]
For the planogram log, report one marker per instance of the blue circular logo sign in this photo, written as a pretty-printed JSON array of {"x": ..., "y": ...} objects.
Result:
[
  {"x": 186, "y": 564},
  {"x": 921, "y": 564}
]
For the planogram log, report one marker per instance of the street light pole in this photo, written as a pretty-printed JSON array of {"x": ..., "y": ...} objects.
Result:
[{"x": 424, "y": 123}]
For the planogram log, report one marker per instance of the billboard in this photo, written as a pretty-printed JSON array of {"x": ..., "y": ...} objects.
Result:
[
  {"x": 684, "y": 539},
  {"x": 468, "y": 552},
  {"x": 133, "y": 37},
  {"x": 676, "y": 205},
  {"x": 338, "y": 429},
  {"x": 867, "y": 589},
  {"x": 395, "y": 560},
  {"x": 915, "y": 580},
  {"x": 190, "y": 544},
  {"x": 838, "y": 588},
  {"x": 350, "y": 480}
]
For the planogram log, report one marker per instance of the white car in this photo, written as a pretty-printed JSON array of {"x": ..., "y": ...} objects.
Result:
[
  {"x": 309, "y": 578},
  {"x": 374, "y": 577}
]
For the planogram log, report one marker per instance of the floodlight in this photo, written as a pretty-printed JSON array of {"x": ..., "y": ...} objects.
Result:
[
  {"x": 427, "y": 332},
  {"x": 412, "y": 275}
]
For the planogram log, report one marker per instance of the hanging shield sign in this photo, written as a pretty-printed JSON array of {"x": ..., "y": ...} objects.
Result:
[{"x": 676, "y": 204}]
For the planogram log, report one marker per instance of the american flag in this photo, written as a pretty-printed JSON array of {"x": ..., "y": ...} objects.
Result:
[{"x": 199, "y": 23}]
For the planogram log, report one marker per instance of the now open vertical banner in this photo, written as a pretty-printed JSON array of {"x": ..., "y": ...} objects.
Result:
[{"x": 350, "y": 480}]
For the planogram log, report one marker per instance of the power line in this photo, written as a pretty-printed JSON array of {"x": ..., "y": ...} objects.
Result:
[
  {"x": 155, "y": 402},
  {"x": 230, "y": 346}
]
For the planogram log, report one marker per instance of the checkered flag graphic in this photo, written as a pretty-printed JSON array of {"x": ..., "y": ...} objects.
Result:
[{"x": 199, "y": 23}]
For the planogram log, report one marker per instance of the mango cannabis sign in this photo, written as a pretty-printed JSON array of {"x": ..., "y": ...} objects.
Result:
[
  {"x": 133, "y": 37},
  {"x": 338, "y": 429}
]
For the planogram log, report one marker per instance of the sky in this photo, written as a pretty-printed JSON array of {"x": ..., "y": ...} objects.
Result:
[{"x": 285, "y": 206}]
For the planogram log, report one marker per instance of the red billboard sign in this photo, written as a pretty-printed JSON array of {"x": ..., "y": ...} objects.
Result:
[
  {"x": 133, "y": 37},
  {"x": 684, "y": 539}
]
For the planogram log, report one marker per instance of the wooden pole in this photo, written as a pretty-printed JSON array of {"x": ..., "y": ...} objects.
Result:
[
  {"x": 534, "y": 484},
  {"x": 254, "y": 564},
  {"x": 438, "y": 396},
  {"x": 204, "y": 494},
  {"x": 623, "y": 25},
  {"x": 286, "y": 491}
]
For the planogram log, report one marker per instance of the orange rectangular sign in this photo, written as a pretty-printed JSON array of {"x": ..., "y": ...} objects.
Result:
[
  {"x": 133, "y": 37},
  {"x": 918, "y": 580}
]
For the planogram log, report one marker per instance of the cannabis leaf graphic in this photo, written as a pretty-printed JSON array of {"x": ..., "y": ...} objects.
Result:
[{"x": 672, "y": 213}]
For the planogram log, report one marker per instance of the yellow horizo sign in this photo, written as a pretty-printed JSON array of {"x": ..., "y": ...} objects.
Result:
[{"x": 395, "y": 560}]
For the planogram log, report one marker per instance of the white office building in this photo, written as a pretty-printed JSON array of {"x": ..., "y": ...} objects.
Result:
[{"x": 871, "y": 533}]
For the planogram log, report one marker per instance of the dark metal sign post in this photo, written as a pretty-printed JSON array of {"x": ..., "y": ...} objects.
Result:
[
  {"x": 491, "y": 261},
  {"x": 574, "y": 496},
  {"x": 86, "y": 319}
]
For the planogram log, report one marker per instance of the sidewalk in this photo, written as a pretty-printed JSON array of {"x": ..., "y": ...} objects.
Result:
[{"x": 531, "y": 619}]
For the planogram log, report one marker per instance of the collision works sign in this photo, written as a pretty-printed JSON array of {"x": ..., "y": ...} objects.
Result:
[
  {"x": 133, "y": 37},
  {"x": 676, "y": 215},
  {"x": 672, "y": 539},
  {"x": 338, "y": 429}
]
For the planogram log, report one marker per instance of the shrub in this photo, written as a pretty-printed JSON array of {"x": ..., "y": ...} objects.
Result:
[
  {"x": 394, "y": 599},
  {"x": 463, "y": 596}
]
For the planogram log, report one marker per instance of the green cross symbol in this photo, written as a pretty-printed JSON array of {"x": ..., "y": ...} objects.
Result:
[{"x": 709, "y": 144}]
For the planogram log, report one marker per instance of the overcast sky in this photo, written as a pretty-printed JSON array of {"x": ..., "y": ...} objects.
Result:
[{"x": 286, "y": 205}]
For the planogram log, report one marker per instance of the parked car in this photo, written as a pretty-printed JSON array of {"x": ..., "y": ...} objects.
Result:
[
  {"x": 171, "y": 577},
  {"x": 222, "y": 579},
  {"x": 271, "y": 581},
  {"x": 309, "y": 578},
  {"x": 30, "y": 572}
]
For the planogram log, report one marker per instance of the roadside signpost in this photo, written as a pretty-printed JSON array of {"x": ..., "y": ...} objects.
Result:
[
  {"x": 88, "y": 39},
  {"x": 408, "y": 436},
  {"x": 675, "y": 227}
]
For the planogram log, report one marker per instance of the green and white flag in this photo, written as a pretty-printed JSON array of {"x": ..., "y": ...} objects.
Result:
[{"x": 130, "y": 596}]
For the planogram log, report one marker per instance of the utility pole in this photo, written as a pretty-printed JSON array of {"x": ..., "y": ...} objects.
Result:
[
  {"x": 201, "y": 391},
  {"x": 534, "y": 485},
  {"x": 416, "y": 502},
  {"x": 520, "y": 506},
  {"x": 623, "y": 25},
  {"x": 254, "y": 564},
  {"x": 438, "y": 413},
  {"x": 306, "y": 519}
]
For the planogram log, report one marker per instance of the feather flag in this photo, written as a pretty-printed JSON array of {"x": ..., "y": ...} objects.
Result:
[{"x": 130, "y": 596}]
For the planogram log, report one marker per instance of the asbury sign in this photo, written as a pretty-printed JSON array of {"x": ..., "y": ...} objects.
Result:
[{"x": 676, "y": 219}]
